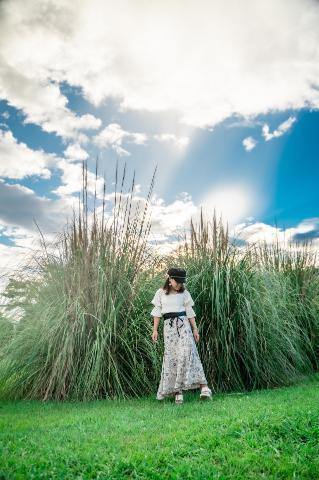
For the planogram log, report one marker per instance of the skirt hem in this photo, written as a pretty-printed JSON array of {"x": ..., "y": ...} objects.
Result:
[{"x": 161, "y": 396}]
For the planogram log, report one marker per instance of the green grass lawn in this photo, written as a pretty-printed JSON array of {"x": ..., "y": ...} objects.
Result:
[{"x": 261, "y": 434}]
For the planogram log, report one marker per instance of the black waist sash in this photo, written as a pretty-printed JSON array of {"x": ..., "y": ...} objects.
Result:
[{"x": 172, "y": 316}]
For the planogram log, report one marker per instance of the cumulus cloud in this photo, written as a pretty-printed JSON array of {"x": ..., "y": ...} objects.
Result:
[
  {"x": 5, "y": 115},
  {"x": 153, "y": 63},
  {"x": 19, "y": 205},
  {"x": 249, "y": 143},
  {"x": 169, "y": 221},
  {"x": 11, "y": 258},
  {"x": 168, "y": 217},
  {"x": 244, "y": 122},
  {"x": 281, "y": 130},
  {"x": 306, "y": 231},
  {"x": 180, "y": 142},
  {"x": 17, "y": 160},
  {"x": 113, "y": 136},
  {"x": 72, "y": 180},
  {"x": 76, "y": 152},
  {"x": 41, "y": 102}
]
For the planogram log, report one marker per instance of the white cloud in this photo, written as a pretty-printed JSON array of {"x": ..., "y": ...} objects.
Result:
[
  {"x": 5, "y": 115},
  {"x": 20, "y": 205},
  {"x": 138, "y": 138},
  {"x": 25, "y": 252},
  {"x": 41, "y": 102},
  {"x": 76, "y": 152},
  {"x": 169, "y": 220},
  {"x": 153, "y": 63},
  {"x": 17, "y": 160},
  {"x": 286, "y": 237},
  {"x": 281, "y": 130},
  {"x": 113, "y": 136},
  {"x": 244, "y": 122},
  {"x": 249, "y": 143},
  {"x": 11, "y": 257},
  {"x": 120, "y": 151},
  {"x": 180, "y": 142},
  {"x": 72, "y": 180},
  {"x": 258, "y": 231}
]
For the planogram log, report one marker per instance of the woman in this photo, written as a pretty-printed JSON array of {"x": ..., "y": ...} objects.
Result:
[{"x": 181, "y": 368}]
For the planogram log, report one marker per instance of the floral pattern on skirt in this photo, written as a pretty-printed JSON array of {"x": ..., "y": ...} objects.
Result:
[{"x": 181, "y": 368}]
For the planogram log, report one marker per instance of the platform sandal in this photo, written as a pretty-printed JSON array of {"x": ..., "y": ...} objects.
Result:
[
  {"x": 178, "y": 398},
  {"x": 206, "y": 393}
]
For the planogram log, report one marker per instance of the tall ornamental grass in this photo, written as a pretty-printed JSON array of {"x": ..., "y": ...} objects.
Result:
[
  {"x": 257, "y": 308},
  {"x": 299, "y": 267},
  {"x": 81, "y": 336}
]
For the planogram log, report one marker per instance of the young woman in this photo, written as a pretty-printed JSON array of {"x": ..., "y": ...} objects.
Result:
[{"x": 181, "y": 368}]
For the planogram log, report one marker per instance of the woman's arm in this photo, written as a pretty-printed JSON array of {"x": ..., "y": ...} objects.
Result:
[
  {"x": 156, "y": 322},
  {"x": 194, "y": 327},
  {"x": 155, "y": 332},
  {"x": 193, "y": 323}
]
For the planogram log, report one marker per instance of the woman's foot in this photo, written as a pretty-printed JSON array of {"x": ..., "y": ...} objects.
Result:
[
  {"x": 206, "y": 393},
  {"x": 179, "y": 397}
]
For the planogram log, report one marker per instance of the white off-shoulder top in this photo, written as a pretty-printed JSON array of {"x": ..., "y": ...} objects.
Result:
[{"x": 173, "y": 302}]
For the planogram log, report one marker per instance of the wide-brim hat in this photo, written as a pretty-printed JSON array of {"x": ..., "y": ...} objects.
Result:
[{"x": 179, "y": 274}]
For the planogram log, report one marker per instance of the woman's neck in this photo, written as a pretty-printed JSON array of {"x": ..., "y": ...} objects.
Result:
[{"x": 172, "y": 290}]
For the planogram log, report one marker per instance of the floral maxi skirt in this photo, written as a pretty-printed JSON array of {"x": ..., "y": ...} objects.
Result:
[{"x": 181, "y": 368}]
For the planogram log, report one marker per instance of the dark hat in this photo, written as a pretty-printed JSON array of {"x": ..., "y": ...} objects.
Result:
[{"x": 179, "y": 274}]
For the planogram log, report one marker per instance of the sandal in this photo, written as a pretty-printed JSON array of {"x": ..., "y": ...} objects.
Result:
[
  {"x": 178, "y": 398},
  {"x": 206, "y": 393}
]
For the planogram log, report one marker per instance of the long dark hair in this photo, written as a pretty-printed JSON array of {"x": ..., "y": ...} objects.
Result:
[{"x": 166, "y": 287}]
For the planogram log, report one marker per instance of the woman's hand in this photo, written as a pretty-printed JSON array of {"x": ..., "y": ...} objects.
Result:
[
  {"x": 154, "y": 335},
  {"x": 196, "y": 335}
]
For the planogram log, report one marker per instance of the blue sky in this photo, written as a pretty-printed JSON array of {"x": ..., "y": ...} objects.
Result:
[{"x": 231, "y": 124}]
